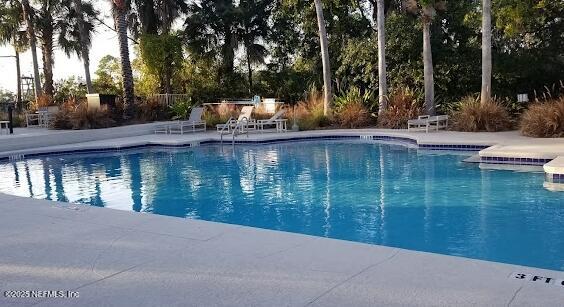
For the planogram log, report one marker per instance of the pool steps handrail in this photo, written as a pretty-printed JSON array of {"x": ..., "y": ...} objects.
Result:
[
  {"x": 228, "y": 126},
  {"x": 241, "y": 125}
]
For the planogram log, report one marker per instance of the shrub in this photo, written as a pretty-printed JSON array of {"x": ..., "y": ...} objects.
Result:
[
  {"x": 260, "y": 113},
  {"x": 309, "y": 112},
  {"x": 402, "y": 106},
  {"x": 63, "y": 119},
  {"x": 40, "y": 102},
  {"x": 212, "y": 118},
  {"x": 354, "y": 94},
  {"x": 18, "y": 119},
  {"x": 87, "y": 118},
  {"x": 353, "y": 115},
  {"x": 473, "y": 116},
  {"x": 225, "y": 111},
  {"x": 180, "y": 109},
  {"x": 544, "y": 119},
  {"x": 117, "y": 112},
  {"x": 69, "y": 88},
  {"x": 351, "y": 108},
  {"x": 152, "y": 109},
  {"x": 220, "y": 114}
]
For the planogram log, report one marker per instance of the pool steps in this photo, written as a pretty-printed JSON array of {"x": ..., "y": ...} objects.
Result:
[{"x": 554, "y": 171}]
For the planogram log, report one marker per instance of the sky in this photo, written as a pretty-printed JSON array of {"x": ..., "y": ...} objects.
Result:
[{"x": 104, "y": 42}]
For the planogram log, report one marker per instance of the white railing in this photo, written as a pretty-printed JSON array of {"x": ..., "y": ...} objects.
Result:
[
  {"x": 170, "y": 99},
  {"x": 234, "y": 128},
  {"x": 228, "y": 126},
  {"x": 242, "y": 127}
]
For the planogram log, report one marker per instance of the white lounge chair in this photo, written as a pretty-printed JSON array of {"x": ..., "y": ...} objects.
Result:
[
  {"x": 426, "y": 122},
  {"x": 193, "y": 124},
  {"x": 244, "y": 120},
  {"x": 275, "y": 120}
]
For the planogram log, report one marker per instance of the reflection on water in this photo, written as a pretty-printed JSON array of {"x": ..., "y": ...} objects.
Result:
[{"x": 374, "y": 193}]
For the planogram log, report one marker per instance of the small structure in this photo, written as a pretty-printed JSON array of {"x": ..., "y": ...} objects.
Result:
[
  {"x": 270, "y": 105},
  {"x": 95, "y": 101}
]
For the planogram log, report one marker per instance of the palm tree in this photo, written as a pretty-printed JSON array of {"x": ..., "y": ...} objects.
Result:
[
  {"x": 28, "y": 17},
  {"x": 486, "y": 51},
  {"x": 46, "y": 25},
  {"x": 211, "y": 31},
  {"x": 75, "y": 34},
  {"x": 155, "y": 16},
  {"x": 427, "y": 9},
  {"x": 428, "y": 61},
  {"x": 327, "y": 90},
  {"x": 120, "y": 9},
  {"x": 254, "y": 27},
  {"x": 382, "y": 74},
  {"x": 10, "y": 22}
]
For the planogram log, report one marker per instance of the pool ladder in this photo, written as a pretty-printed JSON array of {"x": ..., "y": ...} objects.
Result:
[{"x": 241, "y": 127}]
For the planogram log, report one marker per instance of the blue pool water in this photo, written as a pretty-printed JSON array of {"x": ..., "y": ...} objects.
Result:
[{"x": 375, "y": 193}]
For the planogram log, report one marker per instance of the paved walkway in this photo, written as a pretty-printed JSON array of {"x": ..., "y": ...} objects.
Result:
[{"x": 117, "y": 258}]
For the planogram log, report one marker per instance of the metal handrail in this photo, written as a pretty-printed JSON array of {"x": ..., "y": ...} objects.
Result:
[
  {"x": 240, "y": 125},
  {"x": 228, "y": 126}
]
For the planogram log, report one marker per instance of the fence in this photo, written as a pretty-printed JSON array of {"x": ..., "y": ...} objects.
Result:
[{"x": 169, "y": 99}]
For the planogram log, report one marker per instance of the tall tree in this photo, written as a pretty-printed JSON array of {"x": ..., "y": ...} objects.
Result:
[
  {"x": 324, "y": 43},
  {"x": 46, "y": 26},
  {"x": 486, "y": 51},
  {"x": 153, "y": 21},
  {"x": 253, "y": 26},
  {"x": 29, "y": 19},
  {"x": 427, "y": 9},
  {"x": 120, "y": 9},
  {"x": 75, "y": 34},
  {"x": 108, "y": 75},
  {"x": 155, "y": 16},
  {"x": 160, "y": 54},
  {"x": 10, "y": 22},
  {"x": 382, "y": 72},
  {"x": 211, "y": 32}
]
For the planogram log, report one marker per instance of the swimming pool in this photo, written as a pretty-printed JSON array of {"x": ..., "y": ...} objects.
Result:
[{"x": 376, "y": 193}]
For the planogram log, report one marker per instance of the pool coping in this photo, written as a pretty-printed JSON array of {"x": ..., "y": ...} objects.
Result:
[
  {"x": 486, "y": 150},
  {"x": 28, "y": 153},
  {"x": 223, "y": 264}
]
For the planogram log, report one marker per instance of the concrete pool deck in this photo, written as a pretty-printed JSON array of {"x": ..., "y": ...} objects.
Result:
[{"x": 118, "y": 258}]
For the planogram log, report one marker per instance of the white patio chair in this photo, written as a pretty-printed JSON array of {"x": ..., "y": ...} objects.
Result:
[
  {"x": 245, "y": 119},
  {"x": 275, "y": 120},
  {"x": 193, "y": 124},
  {"x": 421, "y": 123},
  {"x": 438, "y": 122}
]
